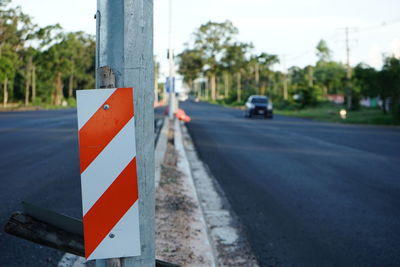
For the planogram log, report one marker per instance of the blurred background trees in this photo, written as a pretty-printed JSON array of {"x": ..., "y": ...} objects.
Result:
[
  {"x": 215, "y": 61},
  {"x": 45, "y": 65},
  {"x": 42, "y": 65}
]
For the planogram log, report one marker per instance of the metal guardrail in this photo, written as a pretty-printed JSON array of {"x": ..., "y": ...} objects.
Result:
[{"x": 51, "y": 229}]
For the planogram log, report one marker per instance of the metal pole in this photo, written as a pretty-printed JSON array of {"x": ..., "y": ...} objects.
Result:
[
  {"x": 348, "y": 76},
  {"x": 171, "y": 98},
  {"x": 125, "y": 45}
]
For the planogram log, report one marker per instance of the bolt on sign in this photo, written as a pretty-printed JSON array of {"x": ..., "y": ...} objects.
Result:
[{"x": 107, "y": 149}]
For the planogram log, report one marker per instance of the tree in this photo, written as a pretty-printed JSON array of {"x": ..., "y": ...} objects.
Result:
[
  {"x": 235, "y": 62},
  {"x": 307, "y": 95},
  {"x": 391, "y": 77},
  {"x": 71, "y": 61},
  {"x": 79, "y": 51},
  {"x": 190, "y": 65},
  {"x": 212, "y": 40},
  {"x": 7, "y": 69},
  {"x": 330, "y": 77},
  {"x": 38, "y": 61},
  {"x": 15, "y": 30},
  {"x": 263, "y": 63},
  {"x": 323, "y": 52},
  {"x": 366, "y": 78}
]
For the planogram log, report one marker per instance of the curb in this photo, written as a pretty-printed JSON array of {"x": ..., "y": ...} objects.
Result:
[
  {"x": 161, "y": 148},
  {"x": 228, "y": 239},
  {"x": 184, "y": 166}
]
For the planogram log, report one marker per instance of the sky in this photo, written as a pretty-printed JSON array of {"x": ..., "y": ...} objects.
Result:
[{"x": 290, "y": 29}]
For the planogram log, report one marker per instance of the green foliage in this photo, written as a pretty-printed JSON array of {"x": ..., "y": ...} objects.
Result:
[
  {"x": 8, "y": 58},
  {"x": 330, "y": 76},
  {"x": 308, "y": 96},
  {"x": 264, "y": 62},
  {"x": 211, "y": 40},
  {"x": 216, "y": 53},
  {"x": 190, "y": 65},
  {"x": 234, "y": 59},
  {"x": 224, "y": 64},
  {"x": 329, "y": 112},
  {"x": 43, "y": 61},
  {"x": 37, "y": 102},
  {"x": 366, "y": 78},
  {"x": 71, "y": 102},
  {"x": 391, "y": 75},
  {"x": 384, "y": 83},
  {"x": 323, "y": 52}
]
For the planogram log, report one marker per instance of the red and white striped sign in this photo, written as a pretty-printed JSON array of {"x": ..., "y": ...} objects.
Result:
[{"x": 107, "y": 149}]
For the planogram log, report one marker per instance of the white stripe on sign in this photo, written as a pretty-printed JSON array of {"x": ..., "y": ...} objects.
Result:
[
  {"x": 92, "y": 104},
  {"x": 109, "y": 164}
]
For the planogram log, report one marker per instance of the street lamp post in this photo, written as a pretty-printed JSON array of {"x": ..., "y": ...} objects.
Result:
[{"x": 171, "y": 98}]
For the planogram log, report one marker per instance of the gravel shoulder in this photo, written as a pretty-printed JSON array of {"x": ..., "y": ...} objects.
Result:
[{"x": 181, "y": 236}]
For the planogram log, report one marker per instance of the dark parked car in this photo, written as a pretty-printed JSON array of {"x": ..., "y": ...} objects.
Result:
[{"x": 258, "y": 105}]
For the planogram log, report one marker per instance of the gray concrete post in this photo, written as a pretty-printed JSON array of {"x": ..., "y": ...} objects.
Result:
[{"x": 125, "y": 44}]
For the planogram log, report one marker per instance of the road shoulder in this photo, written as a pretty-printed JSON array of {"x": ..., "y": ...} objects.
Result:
[
  {"x": 230, "y": 245},
  {"x": 181, "y": 233}
]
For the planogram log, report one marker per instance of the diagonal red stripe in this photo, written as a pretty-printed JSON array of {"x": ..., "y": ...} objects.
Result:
[
  {"x": 102, "y": 127},
  {"x": 110, "y": 208}
]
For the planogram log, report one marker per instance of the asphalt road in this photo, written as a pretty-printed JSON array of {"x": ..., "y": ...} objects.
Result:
[
  {"x": 39, "y": 164},
  {"x": 308, "y": 193}
]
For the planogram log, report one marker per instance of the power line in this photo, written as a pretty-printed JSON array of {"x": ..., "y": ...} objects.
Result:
[
  {"x": 383, "y": 24},
  {"x": 347, "y": 41}
]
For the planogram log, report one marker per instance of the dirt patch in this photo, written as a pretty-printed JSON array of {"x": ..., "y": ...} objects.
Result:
[{"x": 177, "y": 227}]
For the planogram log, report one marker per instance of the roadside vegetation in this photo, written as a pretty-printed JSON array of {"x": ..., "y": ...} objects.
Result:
[
  {"x": 41, "y": 66},
  {"x": 218, "y": 68},
  {"x": 330, "y": 112}
]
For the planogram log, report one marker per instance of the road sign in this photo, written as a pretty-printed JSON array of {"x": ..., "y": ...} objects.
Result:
[
  {"x": 107, "y": 149},
  {"x": 168, "y": 85}
]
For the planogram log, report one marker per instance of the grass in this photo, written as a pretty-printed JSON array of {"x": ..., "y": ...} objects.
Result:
[
  {"x": 330, "y": 113},
  {"x": 19, "y": 106}
]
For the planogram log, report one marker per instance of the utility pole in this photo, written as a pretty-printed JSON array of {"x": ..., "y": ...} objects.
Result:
[
  {"x": 171, "y": 98},
  {"x": 348, "y": 76},
  {"x": 124, "y": 45}
]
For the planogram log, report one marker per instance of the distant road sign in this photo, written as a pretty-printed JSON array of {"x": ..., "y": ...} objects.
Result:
[
  {"x": 168, "y": 85},
  {"x": 107, "y": 148}
]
